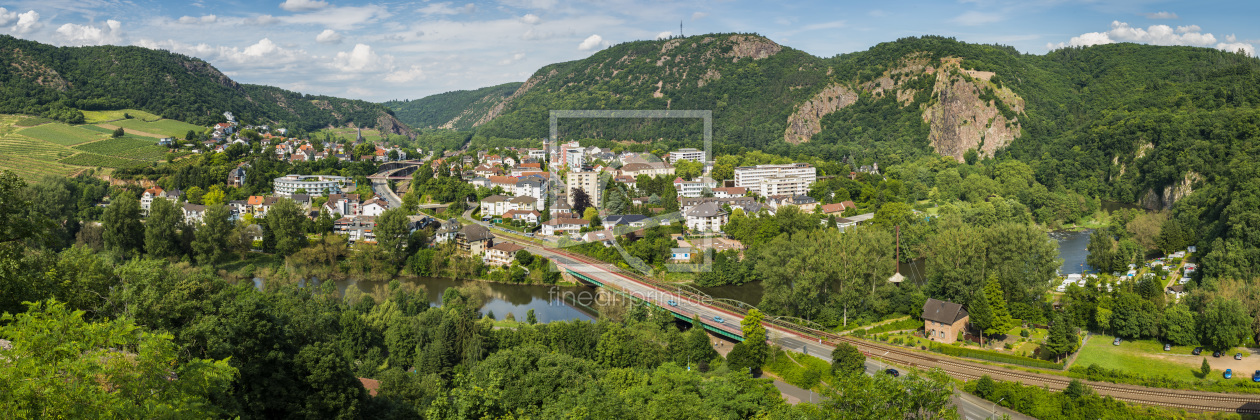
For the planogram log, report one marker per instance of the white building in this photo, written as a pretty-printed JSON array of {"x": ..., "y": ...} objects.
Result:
[
  {"x": 494, "y": 205},
  {"x": 374, "y": 207},
  {"x": 694, "y": 155},
  {"x": 502, "y": 253},
  {"x": 587, "y": 181},
  {"x": 561, "y": 226},
  {"x": 194, "y": 213},
  {"x": 791, "y": 179},
  {"x": 315, "y": 185},
  {"x": 693, "y": 188},
  {"x": 531, "y": 187},
  {"x": 707, "y": 217}
]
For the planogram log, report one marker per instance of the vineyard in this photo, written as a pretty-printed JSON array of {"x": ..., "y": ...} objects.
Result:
[
  {"x": 167, "y": 128},
  {"x": 30, "y": 158},
  {"x": 62, "y": 134},
  {"x": 93, "y": 117},
  {"x": 95, "y": 160},
  {"x": 131, "y": 147},
  {"x": 33, "y": 170},
  {"x": 31, "y": 121}
]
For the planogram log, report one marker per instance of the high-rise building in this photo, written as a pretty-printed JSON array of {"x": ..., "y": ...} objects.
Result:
[
  {"x": 585, "y": 180},
  {"x": 767, "y": 180},
  {"x": 694, "y": 155}
]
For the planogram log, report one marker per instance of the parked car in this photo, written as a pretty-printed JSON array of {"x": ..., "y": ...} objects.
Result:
[
  {"x": 1255, "y": 377},
  {"x": 1167, "y": 347},
  {"x": 1216, "y": 354},
  {"x": 1237, "y": 356},
  {"x": 1197, "y": 350},
  {"x": 672, "y": 303},
  {"x": 895, "y": 373},
  {"x": 1229, "y": 373},
  {"x": 1115, "y": 342},
  {"x": 718, "y": 319}
]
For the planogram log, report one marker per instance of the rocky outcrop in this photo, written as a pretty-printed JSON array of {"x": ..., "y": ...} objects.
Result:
[
  {"x": 753, "y": 47},
  {"x": 386, "y": 123},
  {"x": 807, "y": 120},
  {"x": 960, "y": 119},
  {"x": 1171, "y": 194},
  {"x": 499, "y": 107}
]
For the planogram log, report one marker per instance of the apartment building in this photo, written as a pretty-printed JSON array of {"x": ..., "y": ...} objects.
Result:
[{"x": 767, "y": 180}]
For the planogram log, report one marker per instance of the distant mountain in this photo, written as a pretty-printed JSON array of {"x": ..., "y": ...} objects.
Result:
[
  {"x": 54, "y": 81},
  {"x": 459, "y": 110}
]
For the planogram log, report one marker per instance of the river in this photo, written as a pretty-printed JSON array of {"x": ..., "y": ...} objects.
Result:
[{"x": 1072, "y": 249}]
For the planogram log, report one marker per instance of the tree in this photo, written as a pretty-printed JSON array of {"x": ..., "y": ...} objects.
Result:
[
  {"x": 530, "y": 317},
  {"x": 194, "y": 195},
  {"x": 524, "y": 258},
  {"x": 123, "y": 231},
  {"x": 755, "y": 338},
  {"x": 1002, "y": 320},
  {"x": 1101, "y": 248},
  {"x": 580, "y": 200},
  {"x": 391, "y": 234},
  {"x": 1224, "y": 324},
  {"x": 160, "y": 237},
  {"x": 1178, "y": 325},
  {"x": 118, "y": 132},
  {"x": 1062, "y": 339},
  {"x": 61, "y": 366},
  {"x": 284, "y": 224},
  {"x": 190, "y": 135},
  {"x": 741, "y": 359},
  {"x": 971, "y": 156},
  {"x": 1205, "y": 368},
  {"x": 616, "y": 202},
  {"x": 214, "y": 196},
  {"x": 212, "y": 238},
  {"x": 847, "y": 360}
]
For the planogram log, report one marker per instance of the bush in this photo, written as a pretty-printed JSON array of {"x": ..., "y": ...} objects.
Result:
[
  {"x": 1024, "y": 333},
  {"x": 996, "y": 357}
]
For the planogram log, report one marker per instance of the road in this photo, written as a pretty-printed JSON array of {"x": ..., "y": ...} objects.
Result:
[
  {"x": 381, "y": 188},
  {"x": 801, "y": 339}
]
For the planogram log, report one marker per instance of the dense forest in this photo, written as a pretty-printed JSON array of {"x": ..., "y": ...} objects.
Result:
[
  {"x": 57, "y": 82},
  {"x": 459, "y": 110}
]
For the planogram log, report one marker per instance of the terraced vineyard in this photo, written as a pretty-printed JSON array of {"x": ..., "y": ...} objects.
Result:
[
  {"x": 30, "y": 158},
  {"x": 168, "y": 128},
  {"x": 58, "y": 133},
  {"x": 95, "y": 160},
  {"x": 130, "y": 147},
  {"x": 93, "y": 117}
]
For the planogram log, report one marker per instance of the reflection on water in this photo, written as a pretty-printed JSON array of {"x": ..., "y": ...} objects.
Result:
[{"x": 1072, "y": 249}]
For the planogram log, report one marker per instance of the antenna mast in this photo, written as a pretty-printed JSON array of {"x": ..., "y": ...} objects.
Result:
[{"x": 680, "y": 35}]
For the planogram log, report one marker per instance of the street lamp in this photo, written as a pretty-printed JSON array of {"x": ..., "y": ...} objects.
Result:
[{"x": 993, "y": 411}]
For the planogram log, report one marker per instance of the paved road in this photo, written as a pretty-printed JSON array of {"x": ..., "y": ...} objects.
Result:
[{"x": 381, "y": 188}]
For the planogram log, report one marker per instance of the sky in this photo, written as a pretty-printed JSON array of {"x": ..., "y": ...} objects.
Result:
[{"x": 383, "y": 50}]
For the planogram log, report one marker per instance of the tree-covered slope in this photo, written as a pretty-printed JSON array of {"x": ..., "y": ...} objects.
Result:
[
  {"x": 54, "y": 81},
  {"x": 460, "y": 109}
]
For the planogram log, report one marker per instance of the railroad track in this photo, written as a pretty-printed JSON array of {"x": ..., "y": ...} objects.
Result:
[{"x": 1182, "y": 399}]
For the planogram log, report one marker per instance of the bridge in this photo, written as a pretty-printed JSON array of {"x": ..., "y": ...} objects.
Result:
[
  {"x": 400, "y": 170},
  {"x": 801, "y": 339}
]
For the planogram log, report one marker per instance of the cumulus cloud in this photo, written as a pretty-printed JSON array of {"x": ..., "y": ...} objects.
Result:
[
  {"x": 405, "y": 75},
  {"x": 591, "y": 42},
  {"x": 445, "y": 8},
  {"x": 7, "y": 17},
  {"x": 1191, "y": 35},
  {"x": 664, "y": 35},
  {"x": 329, "y": 36},
  {"x": 303, "y": 5},
  {"x": 264, "y": 53},
  {"x": 340, "y": 18},
  {"x": 531, "y": 19},
  {"x": 1161, "y": 15},
  {"x": 189, "y": 20},
  {"x": 974, "y": 18},
  {"x": 72, "y": 34},
  {"x": 27, "y": 22},
  {"x": 362, "y": 59},
  {"x": 514, "y": 58}
]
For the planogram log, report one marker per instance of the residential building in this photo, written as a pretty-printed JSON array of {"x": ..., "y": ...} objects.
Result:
[
  {"x": 707, "y": 217},
  {"x": 342, "y": 204},
  {"x": 563, "y": 225},
  {"x": 356, "y": 228},
  {"x": 560, "y": 207},
  {"x": 494, "y": 205},
  {"x": 686, "y": 204},
  {"x": 531, "y": 187},
  {"x": 693, "y": 188},
  {"x": 528, "y": 216},
  {"x": 587, "y": 181},
  {"x": 631, "y": 220},
  {"x": 194, "y": 213},
  {"x": 539, "y": 154},
  {"x": 474, "y": 239},
  {"x": 942, "y": 320},
  {"x": 374, "y": 207},
  {"x": 316, "y": 185},
  {"x": 680, "y": 254},
  {"x": 646, "y": 168},
  {"x": 766, "y": 180},
  {"x": 729, "y": 192},
  {"x": 692, "y": 154},
  {"x": 838, "y": 208},
  {"x": 502, "y": 253},
  {"x": 507, "y": 183},
  {"x": 447, "y": 232},
  {"x": 524, "y": 203}
]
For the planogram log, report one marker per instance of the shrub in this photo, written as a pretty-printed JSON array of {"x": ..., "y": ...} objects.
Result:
[
  {"x": 1024, "y": 333},
  {"x": 996, "y": 357}
]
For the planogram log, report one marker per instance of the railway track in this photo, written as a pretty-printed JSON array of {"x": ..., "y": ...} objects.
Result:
[{"x": 962, "y": 369}]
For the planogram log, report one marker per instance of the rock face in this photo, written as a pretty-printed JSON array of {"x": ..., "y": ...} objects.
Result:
[
  {"x": 807, "y": 120},
  {"x": 753, "y": 47},
  {"x": 1171, "y": 194},
  {"x": 388, "y": 124},
  {"x": 499, "y": 107}
]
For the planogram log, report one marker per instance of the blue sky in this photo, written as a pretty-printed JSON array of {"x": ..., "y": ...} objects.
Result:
[{"x": 409, "y": 49}]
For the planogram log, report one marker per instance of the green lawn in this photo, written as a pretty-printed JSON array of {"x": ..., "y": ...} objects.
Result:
[
  {"x": 93, "y": 117},
  {"x": 1144, "y": 357},
  {"x": 58, "y": 133},
  {"x": 169, "y": 128}
]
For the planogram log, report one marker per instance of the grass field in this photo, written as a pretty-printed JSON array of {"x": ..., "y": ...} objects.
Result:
[
  {"x": 58, "y": 133},
  {"x": 127, "y": 147},
  {"x": 369, "y": 134},
  {"x": 93, "y": 117},
  {"x": 168, "y": 128},
  {"x": 1147, "y": 357}
]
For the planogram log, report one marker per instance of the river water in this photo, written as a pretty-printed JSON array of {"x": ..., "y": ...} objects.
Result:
[{"x": 1072, "y": 250}]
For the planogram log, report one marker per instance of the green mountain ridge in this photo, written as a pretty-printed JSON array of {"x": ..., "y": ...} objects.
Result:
[
  {"x": 52, "y": 81},
  {"x": 459, "y": 110}
]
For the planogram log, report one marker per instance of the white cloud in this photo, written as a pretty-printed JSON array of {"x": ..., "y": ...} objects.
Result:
[
  {"x": 263, "y": 54},
  {"x": 530, "y": 4},
  {"x": 329, "y": 36},
  {"x": 591, "y": 42},
  {"x": 445, "y": 8},
  {"x": 531, "y": 19},
  {"x": 974, "y": 18},
  {"x": 362, "y": 59},
  {"x": 7, "y": 17},
  {"x": 405, "y": 75},
  {"x": 27, "y": 22},
  {"x": 664, "y": 35},
  {"x": 72, "y": 34},
  {"x": 189, "y": 20},
  {"x": 1191, "y": 35},
  {"x": 514, "y": 58},
  {"x": 698, "y": 15},
  {"x": 303, "y": 5},
  {"x": 1161, "y": 15},
  {"x": 340, "y": 18}
]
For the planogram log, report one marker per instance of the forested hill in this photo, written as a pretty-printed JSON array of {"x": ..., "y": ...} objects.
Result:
[
  {"x": 42, "y": 79},
  {"x": 460, "y": 110}
]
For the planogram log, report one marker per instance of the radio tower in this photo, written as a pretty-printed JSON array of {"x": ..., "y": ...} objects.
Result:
[{"x": 680, "y": 35}]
